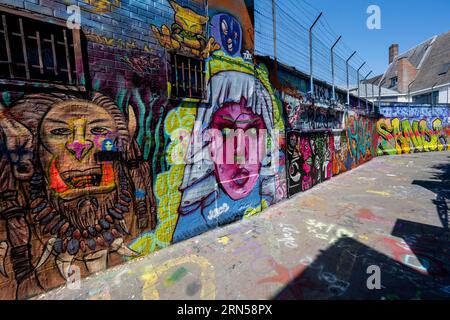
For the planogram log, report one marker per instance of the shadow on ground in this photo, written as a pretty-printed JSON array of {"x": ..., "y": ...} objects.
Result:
[
  {"x": 440, "y": 185},
  {"x": 341, "y": 271}
]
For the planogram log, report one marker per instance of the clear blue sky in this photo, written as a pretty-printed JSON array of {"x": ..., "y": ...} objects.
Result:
[{"x": 406, "y": 22}]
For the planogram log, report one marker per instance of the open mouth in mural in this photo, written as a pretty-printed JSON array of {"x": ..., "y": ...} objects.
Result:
[
  {"x": 83, "y": 179},
  {"x": 230, "y": 46},
  {"x": 241, "y": 176},
  {"x": 72, "y": 184}
]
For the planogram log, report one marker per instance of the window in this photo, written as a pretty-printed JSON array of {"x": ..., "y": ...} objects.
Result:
[
  {"x": 394, "y": 81},
  {"x": 427, "y": 98},
  {"x": 444, "y": 69},
  {"x": 32, "y": 50},
  {"x": 187, "y": 77}
]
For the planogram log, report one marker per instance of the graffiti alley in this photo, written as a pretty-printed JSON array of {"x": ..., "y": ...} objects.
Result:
[{"x": 391, "y": 213}]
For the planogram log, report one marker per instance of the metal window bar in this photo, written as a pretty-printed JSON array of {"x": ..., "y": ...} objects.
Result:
[
  {"x": 24, "y": 49},
  {"x": 53, "y": 63},
  {"x": 55, "y": 59},
  {"x": 189, "y": 76},
  {"x": 66, "y": 47},
  {"x": 37, "y": 38},
  {"x": 7, "y": 47},
  {"x": 196, "y": 82}
]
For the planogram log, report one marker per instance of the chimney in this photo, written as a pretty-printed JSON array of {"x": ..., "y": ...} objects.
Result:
[{"x": 393, "y": 52}]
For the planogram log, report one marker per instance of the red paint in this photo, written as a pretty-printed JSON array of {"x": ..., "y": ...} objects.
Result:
[
  {"x": 366, "y": 214},
  {"x": 107, "y": 174},
  {"x": 56, "y": 182}
]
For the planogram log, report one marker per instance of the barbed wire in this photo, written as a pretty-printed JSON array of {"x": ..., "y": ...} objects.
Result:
[{"x": 293, "y": 20}]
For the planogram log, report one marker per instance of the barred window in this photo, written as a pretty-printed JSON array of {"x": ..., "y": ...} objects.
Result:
[
  {"x": 33, "y": 50},
  {"x": 187, "y": 77}
]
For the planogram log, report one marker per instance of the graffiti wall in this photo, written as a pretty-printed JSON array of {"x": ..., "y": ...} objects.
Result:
[
  {"x": 409, "y": 129},
  {"x": 152, "y": 122},
  {"x": 310, "y": 158},
  {"x": 105, "y": 164},
  {"x": 356, "y": 144}
]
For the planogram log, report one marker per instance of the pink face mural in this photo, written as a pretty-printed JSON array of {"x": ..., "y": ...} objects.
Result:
[{"x": 238, "y": 177}]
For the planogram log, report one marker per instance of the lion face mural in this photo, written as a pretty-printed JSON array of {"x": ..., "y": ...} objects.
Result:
[{"x": 88, "y": 191}]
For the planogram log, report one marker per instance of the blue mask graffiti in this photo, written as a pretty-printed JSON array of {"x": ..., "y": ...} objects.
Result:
[{"x": 228, "y": 29}]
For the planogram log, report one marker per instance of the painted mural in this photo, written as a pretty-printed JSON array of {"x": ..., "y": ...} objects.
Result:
[
  {"x": 413, "y": 129},
  {"x": 210, "y": 192},
  {"x": 95, "y": 177},
  {"x": 356, "y": 144},
  {"x": 74, "y": 187},
  {"x": 304, "y": 116},
  {"x": 310, "y": 158}
]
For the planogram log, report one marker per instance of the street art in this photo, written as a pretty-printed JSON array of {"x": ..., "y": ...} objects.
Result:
[
  {"x": 309, "y": 159},
  {"x": 113, "y": 172},
  {"x": 72, "y": 184},
  {"x": 97, "y": 6},
  {"x": 408, "y": 136},
  {"x": 303, "y": 116},
  {"x": 328, "y": 232},
  {"x": 195, "y": 193},
  {"x": 239, "y": 100},
  {"x": 187, "y": 33},
  {"x": 361, "y": 137}
]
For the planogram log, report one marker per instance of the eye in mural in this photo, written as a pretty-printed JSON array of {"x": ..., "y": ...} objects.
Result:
[
  {"x": 226, "y": 28},
  {"x": 187, "y": 33},
  {"x": 88, "y": 192}
]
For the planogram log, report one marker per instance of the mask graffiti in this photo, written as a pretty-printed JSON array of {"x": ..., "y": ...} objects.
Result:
[{"x": 228, "y": 29}]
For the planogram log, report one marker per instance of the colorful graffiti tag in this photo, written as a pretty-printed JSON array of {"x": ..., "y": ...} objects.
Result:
[
  {"x": 309, "y": 159},
  {"x": 408, "y": 136}
]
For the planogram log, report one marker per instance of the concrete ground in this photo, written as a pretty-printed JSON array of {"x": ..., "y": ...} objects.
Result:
[{"x": 391, "y": 213}]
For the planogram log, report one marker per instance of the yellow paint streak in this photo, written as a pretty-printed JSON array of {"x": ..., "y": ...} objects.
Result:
[
  {"x": 207, "y": 277},
  {"x": 381, "y": 193}
]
